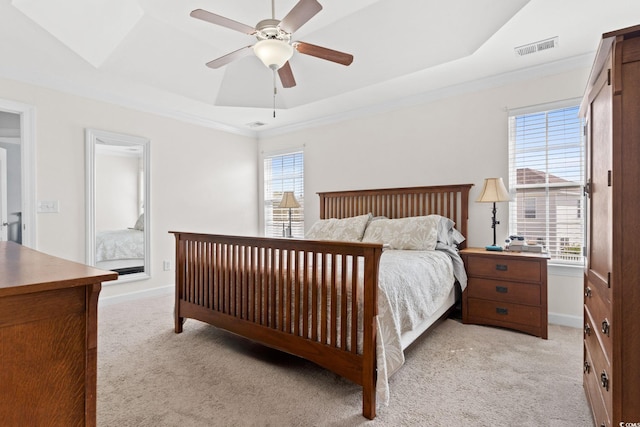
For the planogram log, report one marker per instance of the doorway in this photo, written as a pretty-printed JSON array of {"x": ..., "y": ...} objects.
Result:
[
  {"x": 4, "y": 213},
  {"x": 17, "y": 140}
]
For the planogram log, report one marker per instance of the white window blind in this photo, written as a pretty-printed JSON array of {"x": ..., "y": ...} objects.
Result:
[
  {"x": 546, "y": 175},
  {"x": 283, "y": 172}
]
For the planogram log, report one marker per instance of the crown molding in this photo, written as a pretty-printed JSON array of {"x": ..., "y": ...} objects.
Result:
[{"x": 580, "y": 61}]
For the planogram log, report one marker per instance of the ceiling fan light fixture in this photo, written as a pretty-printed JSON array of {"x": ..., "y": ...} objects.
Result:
[{"x": 273, "y": 53}]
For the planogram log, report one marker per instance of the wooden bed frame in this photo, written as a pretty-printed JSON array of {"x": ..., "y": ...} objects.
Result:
[{"x": 254, "y": 286}]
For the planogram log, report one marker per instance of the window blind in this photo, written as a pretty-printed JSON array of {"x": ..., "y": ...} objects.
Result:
[
  {"x": 546, "y": 175},
  {"x": 283, "y": 172}
]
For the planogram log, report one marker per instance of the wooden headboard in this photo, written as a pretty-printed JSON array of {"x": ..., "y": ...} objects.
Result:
[{"x": 451, "y": 201}]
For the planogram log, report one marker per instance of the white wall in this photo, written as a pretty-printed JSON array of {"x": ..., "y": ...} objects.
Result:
[
  {"x": 188, "y": 165},
  {"x": 454, "y": 140}
]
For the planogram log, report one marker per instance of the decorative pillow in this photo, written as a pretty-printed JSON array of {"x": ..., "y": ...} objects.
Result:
[
  {"x": 139, "y": 223},
  {"x": 413, "y": 233},
  {"x": 345, "y": 229}
]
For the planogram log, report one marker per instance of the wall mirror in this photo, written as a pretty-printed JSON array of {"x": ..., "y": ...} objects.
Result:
[{"x": 117, "y": 198}]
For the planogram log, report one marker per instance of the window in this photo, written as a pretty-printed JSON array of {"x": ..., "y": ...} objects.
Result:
[
  {"x": 546, "y": 174},
  {"x": 283, "y": 172}
]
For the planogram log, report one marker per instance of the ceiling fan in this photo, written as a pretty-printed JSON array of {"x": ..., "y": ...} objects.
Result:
[{"x": 274, "y": 46}]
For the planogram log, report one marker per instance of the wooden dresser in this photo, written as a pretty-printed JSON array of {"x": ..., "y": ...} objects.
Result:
[
  {"x": 507, "y": 289},
  {"x": 48, "y": 339},
  {"x": 611, "y": 107}
]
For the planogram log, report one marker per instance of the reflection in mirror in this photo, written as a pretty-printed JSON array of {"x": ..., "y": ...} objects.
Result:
[{"x": 118, "y": 203}]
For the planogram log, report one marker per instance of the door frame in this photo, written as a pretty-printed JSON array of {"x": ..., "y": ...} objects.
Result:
[
  {"x": 4, "y": 217},
  {"x": 28, "y": 154}
]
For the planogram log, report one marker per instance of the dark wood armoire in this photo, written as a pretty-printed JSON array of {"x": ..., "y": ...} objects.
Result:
[{"x": 611, "y": 107}]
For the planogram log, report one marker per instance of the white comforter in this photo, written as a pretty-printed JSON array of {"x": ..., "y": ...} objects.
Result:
[
  {"x": 119, "y": 244},
  {"x": 412, "y": 286}
]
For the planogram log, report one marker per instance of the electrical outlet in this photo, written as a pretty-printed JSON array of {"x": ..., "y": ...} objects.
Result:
[{"x": 166, "y": 265}]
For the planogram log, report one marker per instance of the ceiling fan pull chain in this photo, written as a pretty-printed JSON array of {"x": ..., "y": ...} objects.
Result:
[{"x": 275, "y": 91}]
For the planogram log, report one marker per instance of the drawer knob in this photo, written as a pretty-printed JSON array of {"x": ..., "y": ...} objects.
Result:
[
  {"x": 587, "y": 329},
  {"x": 587, "y": 367},
  {"x": 587, "y": 292},
  {"x": 501, "y": 267},
  {"x": 502, "y": 289},
  {"x": 502, "y": 311},
  {"x": 604, "y": 380},
  {"x": 605, "y": 327}
]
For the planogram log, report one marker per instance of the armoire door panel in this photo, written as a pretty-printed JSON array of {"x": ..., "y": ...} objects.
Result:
[{"x": 600, "y": 206}]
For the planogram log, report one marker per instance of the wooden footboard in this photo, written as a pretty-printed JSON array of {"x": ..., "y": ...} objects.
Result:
[{"x": 302, "y": 297}]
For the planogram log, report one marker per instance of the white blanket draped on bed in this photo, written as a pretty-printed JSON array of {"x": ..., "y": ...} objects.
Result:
[
  {"x": 119, "y": 244},
  {"x": 412, "y": 286}
]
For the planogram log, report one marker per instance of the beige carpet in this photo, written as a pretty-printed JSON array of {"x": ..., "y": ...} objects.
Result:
[{"x": 458, "y": 375}]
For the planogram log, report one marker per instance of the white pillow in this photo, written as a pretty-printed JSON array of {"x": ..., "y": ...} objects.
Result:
[
  {"x": 345, "y": 229},
  {"x": 139, "y": 223},
  {"x": 413, "y": 233},
  {"x": 447, "y": 232}
]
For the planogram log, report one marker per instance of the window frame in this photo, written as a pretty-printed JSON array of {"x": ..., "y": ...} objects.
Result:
[
  {"x": 275, "y": 220},
  {"x": 551, "y": 190}
]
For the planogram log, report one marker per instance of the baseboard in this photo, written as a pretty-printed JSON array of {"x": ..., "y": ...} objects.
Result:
[
  {"x": 147, "y": 293},
  {"x": 565, "y": 320}
]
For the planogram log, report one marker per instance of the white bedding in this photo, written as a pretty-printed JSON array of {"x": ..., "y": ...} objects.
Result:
[
  {"x": 413, "y": 285},
  {"x": 119, "y": 245}
]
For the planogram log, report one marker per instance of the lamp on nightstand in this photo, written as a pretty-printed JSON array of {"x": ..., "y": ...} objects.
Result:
[
  {"x": 289, "y": 201},
  {"x": 494, "y": 191}
]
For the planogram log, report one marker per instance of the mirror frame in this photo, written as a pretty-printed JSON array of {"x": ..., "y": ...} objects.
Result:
[{"x": 93, "y": 137}]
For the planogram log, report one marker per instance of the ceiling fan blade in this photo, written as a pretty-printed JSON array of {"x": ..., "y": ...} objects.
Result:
[
  {"x": 222, "y": 21},
  {"x": 299, "y": 15},
  {"x": 230, "y": 57},
  {"x": 286, "y": 76},
  {"x": 324, "y": 53}
]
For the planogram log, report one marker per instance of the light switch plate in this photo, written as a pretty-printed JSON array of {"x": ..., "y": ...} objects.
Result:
[{"x": 48, "y": 206}]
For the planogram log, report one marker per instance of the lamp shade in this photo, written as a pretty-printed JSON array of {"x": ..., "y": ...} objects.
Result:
[
  {"x": 494, "y": 191},
  {"x": 273, "y": 53},
  {"x": 288, "y": 200}
]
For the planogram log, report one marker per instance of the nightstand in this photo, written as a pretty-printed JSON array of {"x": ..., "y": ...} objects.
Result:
[{"x": 507, "y": 289}]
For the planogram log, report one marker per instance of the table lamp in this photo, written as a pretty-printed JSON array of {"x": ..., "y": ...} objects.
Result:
[
  {"x": 494, "y": 191},
  {"x": 289, "y": 201}
]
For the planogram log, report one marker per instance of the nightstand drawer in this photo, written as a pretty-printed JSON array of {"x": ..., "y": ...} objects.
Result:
[
  {"x": 503, "y": 312},
  {"x": 504, "y": 268},
  {"x": 497, "y": 290}
]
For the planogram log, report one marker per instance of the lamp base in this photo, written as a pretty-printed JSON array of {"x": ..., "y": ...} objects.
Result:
[{"x": 494, "y": 248}]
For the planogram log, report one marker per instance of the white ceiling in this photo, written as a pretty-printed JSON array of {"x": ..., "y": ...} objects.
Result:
[{"x": 151, "y": 55}]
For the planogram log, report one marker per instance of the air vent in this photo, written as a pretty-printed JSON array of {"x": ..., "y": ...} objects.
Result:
[
  {"x": 255, "y": 124},
  {"x": 537, "y": 46}
]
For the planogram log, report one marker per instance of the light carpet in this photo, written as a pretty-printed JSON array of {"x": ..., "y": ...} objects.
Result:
[{"x": 457, "y": 375}]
